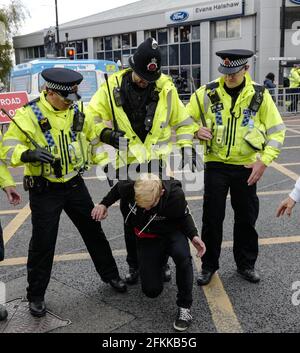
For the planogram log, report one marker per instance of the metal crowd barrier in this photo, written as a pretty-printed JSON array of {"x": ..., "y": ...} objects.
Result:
[{"x": 287, "y": 100}]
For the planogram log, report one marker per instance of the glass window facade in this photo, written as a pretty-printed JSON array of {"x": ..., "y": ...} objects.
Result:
[
  {"x": 228, "y": 29},
  {"x": 181, "y": 55},
  {"x": 115, "y": 48}
]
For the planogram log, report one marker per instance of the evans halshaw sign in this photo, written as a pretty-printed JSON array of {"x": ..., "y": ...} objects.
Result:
[
  {"x": 207, "y": 11},
  {"x": 296, "y": 2}
]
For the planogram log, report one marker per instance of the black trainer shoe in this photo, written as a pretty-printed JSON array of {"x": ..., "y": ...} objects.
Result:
[
  {"x": 204, "y": 277},
  {"x": 118, "y": 284},
  {"x": 37, "y": 308},
  {"x": 3, "y": 313},
  {"x": 183, "y": 319},
  {"x": 133, "y": 276},
  {"x": 167, "y": 273},
  {"x": 249, "y": 275}
]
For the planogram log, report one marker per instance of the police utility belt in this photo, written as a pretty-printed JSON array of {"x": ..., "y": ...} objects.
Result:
[
  {"x": 41, "y": 184},
  {"x": 254, "y": 137}
]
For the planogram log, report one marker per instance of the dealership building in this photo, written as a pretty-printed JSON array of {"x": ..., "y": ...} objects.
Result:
[{"x": 189, "y": 32}]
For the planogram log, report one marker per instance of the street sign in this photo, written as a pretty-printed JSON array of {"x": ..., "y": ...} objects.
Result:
[{"x": 11, "y": 101}]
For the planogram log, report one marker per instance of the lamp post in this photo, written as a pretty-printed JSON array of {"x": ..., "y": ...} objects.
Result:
[
  {"x": 282, "y": 39},
  {"x": 57, "y": 31}
]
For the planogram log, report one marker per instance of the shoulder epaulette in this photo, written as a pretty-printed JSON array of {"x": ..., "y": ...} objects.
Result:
[
  {"x": 32, "y": 102},
  {"x": 212, "y": 85}
]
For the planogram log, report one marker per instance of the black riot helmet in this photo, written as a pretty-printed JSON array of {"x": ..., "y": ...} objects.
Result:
[{"x": 146, "y": 61}]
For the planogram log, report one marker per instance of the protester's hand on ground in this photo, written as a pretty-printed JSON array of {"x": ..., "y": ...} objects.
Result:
[
  {"x": 199, "y": 245},
  {"x": 99, "y": 213}
]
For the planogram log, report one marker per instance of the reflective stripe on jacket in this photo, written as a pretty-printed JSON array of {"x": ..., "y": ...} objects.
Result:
[{"x": 5, "y": 176}]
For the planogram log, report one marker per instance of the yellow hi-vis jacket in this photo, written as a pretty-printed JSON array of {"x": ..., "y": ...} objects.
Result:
[
  {"x": 229, "y": 129},
  {"x": 5, "y": 176},
  {"x": 170, "y": 113},
  {"x": 295, "y": 77},
  {"x": 75, "y": 153}
]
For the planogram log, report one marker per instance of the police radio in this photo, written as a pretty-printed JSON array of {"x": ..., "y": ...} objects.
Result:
[
  {"x": 78, "y": 120},
  {"x": 57, "y": 168},
  {"x": 118, "y": 96}
]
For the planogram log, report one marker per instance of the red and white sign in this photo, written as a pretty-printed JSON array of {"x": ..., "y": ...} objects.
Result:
[{"x": 11, "y": 101}]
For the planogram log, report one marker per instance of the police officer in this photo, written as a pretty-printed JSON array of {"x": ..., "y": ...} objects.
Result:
[
  {"x": 8, "y": 185},
  {"x": 243, "y": 133},
  {"x": 159, "y": 214},
  {"x": 143, "y": 105},
  {"x": 294, "y": 89},
  {"x": 54, "y": 145}
]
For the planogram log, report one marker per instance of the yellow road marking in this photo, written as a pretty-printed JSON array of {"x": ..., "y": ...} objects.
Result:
[
  {"x": 292, "y": 130},
  {"x": 220, "y": 306},
  {"x": 290, "y": 164},
  {"x": 285, "y": 171},
  {"x": 15, "y": 224},
  {"x": 18, "y": 261},
  {"x": 290, "y": 136},
  {"x": 269, "y": 241},
  {"x": 7, "y": 212},
  {"x": 291, "y": 148}
]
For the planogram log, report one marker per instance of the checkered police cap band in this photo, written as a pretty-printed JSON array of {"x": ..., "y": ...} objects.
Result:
[
  {"x": 59, "y": 87},
  {"x": 234, "y": 63}
]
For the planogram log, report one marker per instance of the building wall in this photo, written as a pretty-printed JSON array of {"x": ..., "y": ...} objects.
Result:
[{"x": 260, "y": 32}]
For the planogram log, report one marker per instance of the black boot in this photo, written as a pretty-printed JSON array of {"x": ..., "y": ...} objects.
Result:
[
  {"x": 118, "y": 284},
  {"x": 37, "y": 308},
  {"x": 133, "y": 276},
  {"x": 3, "y": 313},
  {"x": 204, "y": 277},
  {"x": 249, "y": 275}
]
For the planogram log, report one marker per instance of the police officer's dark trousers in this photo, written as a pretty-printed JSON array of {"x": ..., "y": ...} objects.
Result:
[
  {"x": 46, "y": 207},
  {"x": 218, "y": 180},
  {"x": 151, "y": 256}
]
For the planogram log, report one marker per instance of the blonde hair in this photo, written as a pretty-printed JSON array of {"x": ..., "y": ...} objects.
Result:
[{"x": 147, "y": 188}]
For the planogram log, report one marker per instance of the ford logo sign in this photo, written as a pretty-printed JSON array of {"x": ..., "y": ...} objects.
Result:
[
  {"x": 296, "y": 2},
  {"x": 180, "y": 16}
]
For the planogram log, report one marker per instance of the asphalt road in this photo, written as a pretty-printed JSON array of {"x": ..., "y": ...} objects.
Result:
[{"x": 228, "y": 304}]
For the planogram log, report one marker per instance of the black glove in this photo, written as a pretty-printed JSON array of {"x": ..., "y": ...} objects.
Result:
[
  {"x": 38, "y": 155},
  {"x": 114, "y": 138},
  {"x": 190, "y": 157}
]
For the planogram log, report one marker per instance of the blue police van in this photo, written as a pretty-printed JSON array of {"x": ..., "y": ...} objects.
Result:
[{"x": 27, "y": 77}]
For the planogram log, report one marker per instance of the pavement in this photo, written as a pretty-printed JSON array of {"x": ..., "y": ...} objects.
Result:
[{"x": 228, "y": 304}]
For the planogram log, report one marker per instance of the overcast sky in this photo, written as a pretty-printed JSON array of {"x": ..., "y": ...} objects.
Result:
[{"x": 42, "y": 12}]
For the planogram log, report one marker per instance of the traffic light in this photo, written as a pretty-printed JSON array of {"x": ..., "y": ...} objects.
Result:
[{"x": 70, "y": 53}]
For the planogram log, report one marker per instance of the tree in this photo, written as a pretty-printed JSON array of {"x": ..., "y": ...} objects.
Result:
[{"x": 11, "y": 16}]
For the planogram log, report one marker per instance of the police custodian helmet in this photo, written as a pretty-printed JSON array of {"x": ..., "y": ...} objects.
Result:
[
  {"x": 64, "y": 81},
  {"x": 146, "y": 61},
  {"x": 233, "y": 60}
]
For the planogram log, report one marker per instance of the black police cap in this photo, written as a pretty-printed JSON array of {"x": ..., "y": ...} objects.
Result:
[
  {"x": 233, "y": 60},
  {"x": 64, "y": 81},
  {"x": 146, "y": 61}
]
